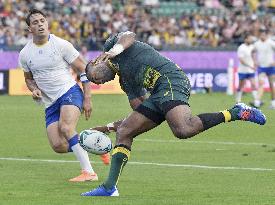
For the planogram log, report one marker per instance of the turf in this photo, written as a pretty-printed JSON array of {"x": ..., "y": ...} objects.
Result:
[{"x": 206, "y": 169}]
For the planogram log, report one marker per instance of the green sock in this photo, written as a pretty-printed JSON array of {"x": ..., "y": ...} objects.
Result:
[
  {"x": 120, "y": 157},
  {"x": 234, "y": 113}
]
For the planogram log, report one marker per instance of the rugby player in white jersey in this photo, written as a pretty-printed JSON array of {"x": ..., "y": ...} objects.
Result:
[
  {"x": 266, "y": 65},
  {"x": 46, "y": 60},
  {"x": 246, "y": 68}
]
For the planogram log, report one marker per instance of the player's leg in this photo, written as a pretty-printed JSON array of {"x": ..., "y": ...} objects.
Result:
[
  {"x": 69, "y": 116},
  {"x": 239, "y": 92},
  {"x": 58, "y": 143},
  {"x": 135, "y": 124},
  {"x": 271, "y": 80},
  {"x": 260, "y": 92},
  {"x": 184, "y": 125},
  {"x": 253, "y": 87}
]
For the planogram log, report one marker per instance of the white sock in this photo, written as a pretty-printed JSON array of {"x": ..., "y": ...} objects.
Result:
[
  {"x": 239, "y": 96},
  {"x": 254, "y": 94},
  {"x": 83, "y": 158},
  {"x": 273, "y": 103},
  {"x": 257, "y": 103}
]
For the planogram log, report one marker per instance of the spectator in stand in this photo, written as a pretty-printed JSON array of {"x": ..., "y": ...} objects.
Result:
[{"x": 92, "y": 21}]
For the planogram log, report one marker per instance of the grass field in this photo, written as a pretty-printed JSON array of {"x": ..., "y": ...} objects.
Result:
[{"x": 232, "y": 164}]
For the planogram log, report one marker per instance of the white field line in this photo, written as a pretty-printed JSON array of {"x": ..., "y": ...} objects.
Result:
[
  {"x": 205, "y": 142},
  {"x": 193, "y": 166}
]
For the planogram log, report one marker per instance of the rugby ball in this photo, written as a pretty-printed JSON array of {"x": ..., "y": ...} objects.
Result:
[{"x": 95, "y": 142}]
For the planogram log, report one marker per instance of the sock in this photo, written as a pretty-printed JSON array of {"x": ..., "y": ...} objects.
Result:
[
  {"x": 257, "y": 103},
  {"x": 211, "y": 119},
  {"x": 231, "y": 114},
  {"x": 273, "y": 103},
  {"x": 120, "y": 156},
  {"x": 239, "y": 96},
  {"x": 254, "y": 94},
  {"x": 81, "y": 154}
]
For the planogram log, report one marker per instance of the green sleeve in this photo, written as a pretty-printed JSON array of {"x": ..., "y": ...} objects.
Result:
[{"x": 110, "y": 42}]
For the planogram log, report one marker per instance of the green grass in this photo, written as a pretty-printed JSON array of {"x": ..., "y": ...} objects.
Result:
[{"x": 23, "y": 136}]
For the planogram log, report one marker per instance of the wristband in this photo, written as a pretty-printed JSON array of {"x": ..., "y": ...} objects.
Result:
[
  {"x": 83, "y": 78},
  {"x": 117, "y": 49},
  {"x": 110, "y": 127}
]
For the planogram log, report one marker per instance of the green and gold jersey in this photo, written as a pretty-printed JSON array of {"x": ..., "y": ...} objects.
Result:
[{"x": 139, "y": 67}]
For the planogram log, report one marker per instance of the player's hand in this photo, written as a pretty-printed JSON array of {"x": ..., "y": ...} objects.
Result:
[
  {"x": 87, "y": 107},
  {"x": 37, "y": 94},
  {"x": 110, "y": 54},
  {"x": 105, "y": 128}
]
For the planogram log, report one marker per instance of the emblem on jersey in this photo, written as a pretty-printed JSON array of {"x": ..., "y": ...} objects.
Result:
[
  {"x": 150, "y": 77},
  {"x": 40, "y": 51}
]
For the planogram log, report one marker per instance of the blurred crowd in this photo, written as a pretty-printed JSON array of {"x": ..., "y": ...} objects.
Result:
[{"x": 89, "y": 22}]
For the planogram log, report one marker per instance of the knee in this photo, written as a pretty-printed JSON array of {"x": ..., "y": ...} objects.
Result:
[
  {"x": 64, "y": 129},
  {"x": 123, "y": 133},
  {"x": 182, "y": 133},
  {"x": 60, "y": 147}
]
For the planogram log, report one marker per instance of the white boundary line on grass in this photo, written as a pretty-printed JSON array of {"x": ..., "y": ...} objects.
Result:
[
  {"x": 194, "y": 166},
  {"x": 205, "y": 142}
]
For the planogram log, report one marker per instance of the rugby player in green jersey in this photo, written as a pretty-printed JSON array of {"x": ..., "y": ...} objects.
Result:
[{"x": 142, "y": 69}]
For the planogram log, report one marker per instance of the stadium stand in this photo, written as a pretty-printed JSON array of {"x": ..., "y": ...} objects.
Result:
[{"x": 166, "y": 25}]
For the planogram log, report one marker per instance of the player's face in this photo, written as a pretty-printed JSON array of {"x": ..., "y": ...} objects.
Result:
[
  {"x": 38, "y": 25},
  {"x": 249, "y": 40},
  {"x": 100, "y": 73},
  {"x": 263, "y": 36}
]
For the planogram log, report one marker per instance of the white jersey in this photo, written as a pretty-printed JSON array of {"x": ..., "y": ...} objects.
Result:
[
  {"x": 265, "y": 52},
  {"x": 49, "y": 65},
  {"x": 245, "y": 53}
]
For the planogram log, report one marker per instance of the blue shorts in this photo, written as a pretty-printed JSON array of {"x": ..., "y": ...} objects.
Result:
[
  {"x": 74, "y": 96},
  {"x": 243, "y": 76},
  {"x": 267, "y": 70}
]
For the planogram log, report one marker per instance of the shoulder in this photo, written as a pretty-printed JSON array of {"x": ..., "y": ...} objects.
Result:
[
  {"x": 241, "y": 48},
  {"x": 270, "y": 41},
  {"x": 59, "y": 41},
  {"x": 25, "y": 50}
]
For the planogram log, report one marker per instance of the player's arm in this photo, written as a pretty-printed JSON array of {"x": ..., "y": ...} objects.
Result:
[
  {"x": 124, "y": 41},
  {"x": 244, "y": 63},
  {"x": 79, "y": 65},
  {"x": 32, "y": 86}
]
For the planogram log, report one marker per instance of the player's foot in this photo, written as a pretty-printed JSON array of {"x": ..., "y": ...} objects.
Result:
[
  {"x": 252, "y": 104},
  {"x": 105, "y": 158},
  {"x": 101, "y": 191},
  {"x": 251, "y": 114},
  {"x": 85, "y": 176}
]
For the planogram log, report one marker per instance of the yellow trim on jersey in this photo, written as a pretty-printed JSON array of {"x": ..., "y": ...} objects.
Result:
[
  {"x": 227, "y": 115},
  {"x": 122, "y": 150},
  {"x": 113, "y": 67},
  {"x": 171, "y": 89}
]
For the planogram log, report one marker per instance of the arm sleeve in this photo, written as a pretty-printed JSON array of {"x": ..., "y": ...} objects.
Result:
[
  {"x": 273, "y": 44},
  {"x": 23, "y": 62},
  {"x": 68, "y": 52},
  {"x": 110, "y": 42}
]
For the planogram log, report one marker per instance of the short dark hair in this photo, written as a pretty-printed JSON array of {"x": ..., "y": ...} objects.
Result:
[
  {"x": 31, "y": 12},
  {"x": 246, "y": 35}
]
